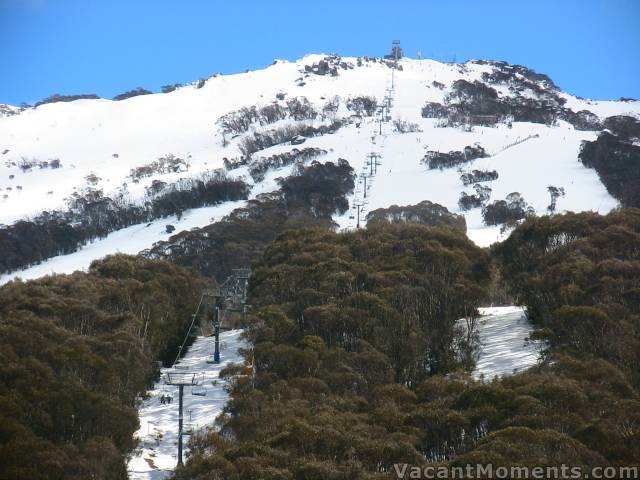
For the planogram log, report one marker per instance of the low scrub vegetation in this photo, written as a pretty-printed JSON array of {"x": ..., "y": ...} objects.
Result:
[
  {"x": 55, "y": 98},
  {"x": 93, "y": 215},
  {"x": 364, "y": 106},
  {"x": 452, "y": 159},
  {"x": 478, "y": 176},
  {"x": 424, "y": 213},
  {"x": 240, "y": 121},
  {"x": 307, "y": 199},
  {"x": 258, "y": 168},
  {"x": 132, "y": 93},
  {"x": 28, "y": 164},
  {"x": 167, "y": 164},
  {"x": 533, "y": 97},
  {"x": 510, "y": 210},
  {"x": 258, "y": 141},
  {"x": 403, "y": 126}
]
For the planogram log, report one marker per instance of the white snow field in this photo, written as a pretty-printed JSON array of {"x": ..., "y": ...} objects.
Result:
[
  {"x": 504, "y": 345},
  {"x": 109, "y": 138},
  {"x": 156, "y": 456}
]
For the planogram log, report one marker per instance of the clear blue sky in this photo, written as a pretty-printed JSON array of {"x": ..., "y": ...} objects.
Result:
[{"x": 589, "y": 47}]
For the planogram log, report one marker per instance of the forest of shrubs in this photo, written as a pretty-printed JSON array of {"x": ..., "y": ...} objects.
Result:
[
  {"x": 259, "y": 167},
  {"x": 616, "y": 158},
  {"x": 359, "y": 363},
  {"x": 75, "y": 352},
  {"x": 579, "y": 275},
  {"x": 478, "y": 103},
  {"x": 441, "y": 160},
  {"x": 308, "y": 198},
  {"x": 508, "y": 211},
  {"x": 424, "y": 213}
]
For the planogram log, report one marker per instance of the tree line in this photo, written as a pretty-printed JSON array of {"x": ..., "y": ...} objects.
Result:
[{"x": 93, "y": 215}]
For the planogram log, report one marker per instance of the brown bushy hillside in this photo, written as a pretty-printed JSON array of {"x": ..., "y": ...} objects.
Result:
[
  {"x": 358, "y": 364},
  {"x": 75, "y": 351},
  {"x": 579, "y": 276}
]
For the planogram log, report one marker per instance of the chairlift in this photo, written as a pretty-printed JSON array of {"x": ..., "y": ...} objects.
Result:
[
  {"x": 188, "y": 428},
  {"x": 199, "y": 390}
]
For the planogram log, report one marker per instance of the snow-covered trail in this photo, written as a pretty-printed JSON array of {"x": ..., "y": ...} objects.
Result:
[
  {"x": 156, "y": 456},
  {"x": 504, "y": 345},
  {"x": 372, "y": 143}
]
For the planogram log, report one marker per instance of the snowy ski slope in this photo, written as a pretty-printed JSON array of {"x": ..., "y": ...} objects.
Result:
[
  {"x": 156, "y": 456},
  {"x": 504, "y": 345},
  {"x": 108, "y": 139}
]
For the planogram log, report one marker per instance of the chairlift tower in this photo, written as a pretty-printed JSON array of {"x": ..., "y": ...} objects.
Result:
[
  {"x": 396, "y": 51},
  {"x": 216, "y": 331},
  {"x": 359, "y": 207},
  {"x": 182, "y": 379},
  {"x": 364, "y": 178},
  {"x": 373, "y": 162}
]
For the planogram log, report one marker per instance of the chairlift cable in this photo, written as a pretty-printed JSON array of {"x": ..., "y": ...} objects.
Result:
[{"x": 193, "y": 321}]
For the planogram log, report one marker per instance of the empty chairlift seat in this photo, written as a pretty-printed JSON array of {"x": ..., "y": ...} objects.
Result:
[{"x": 199, "y": 390}]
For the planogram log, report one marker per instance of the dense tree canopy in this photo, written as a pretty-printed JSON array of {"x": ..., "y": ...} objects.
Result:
[
  {"x": 615, "y": 155},
  {"x": 424, "y": 213},
  {"x": 579, "y": 276},
  {"x": 75, "y": 352},
  {"x": 358, "y": 363}
]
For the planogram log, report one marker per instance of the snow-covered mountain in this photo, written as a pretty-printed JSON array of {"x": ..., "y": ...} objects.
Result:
[{"x": 65, "y": 150}]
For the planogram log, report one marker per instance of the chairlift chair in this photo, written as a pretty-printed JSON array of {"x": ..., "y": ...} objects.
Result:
[
  {"x": 188, "y": 428},
  {"x": 199, "y": 390}
]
